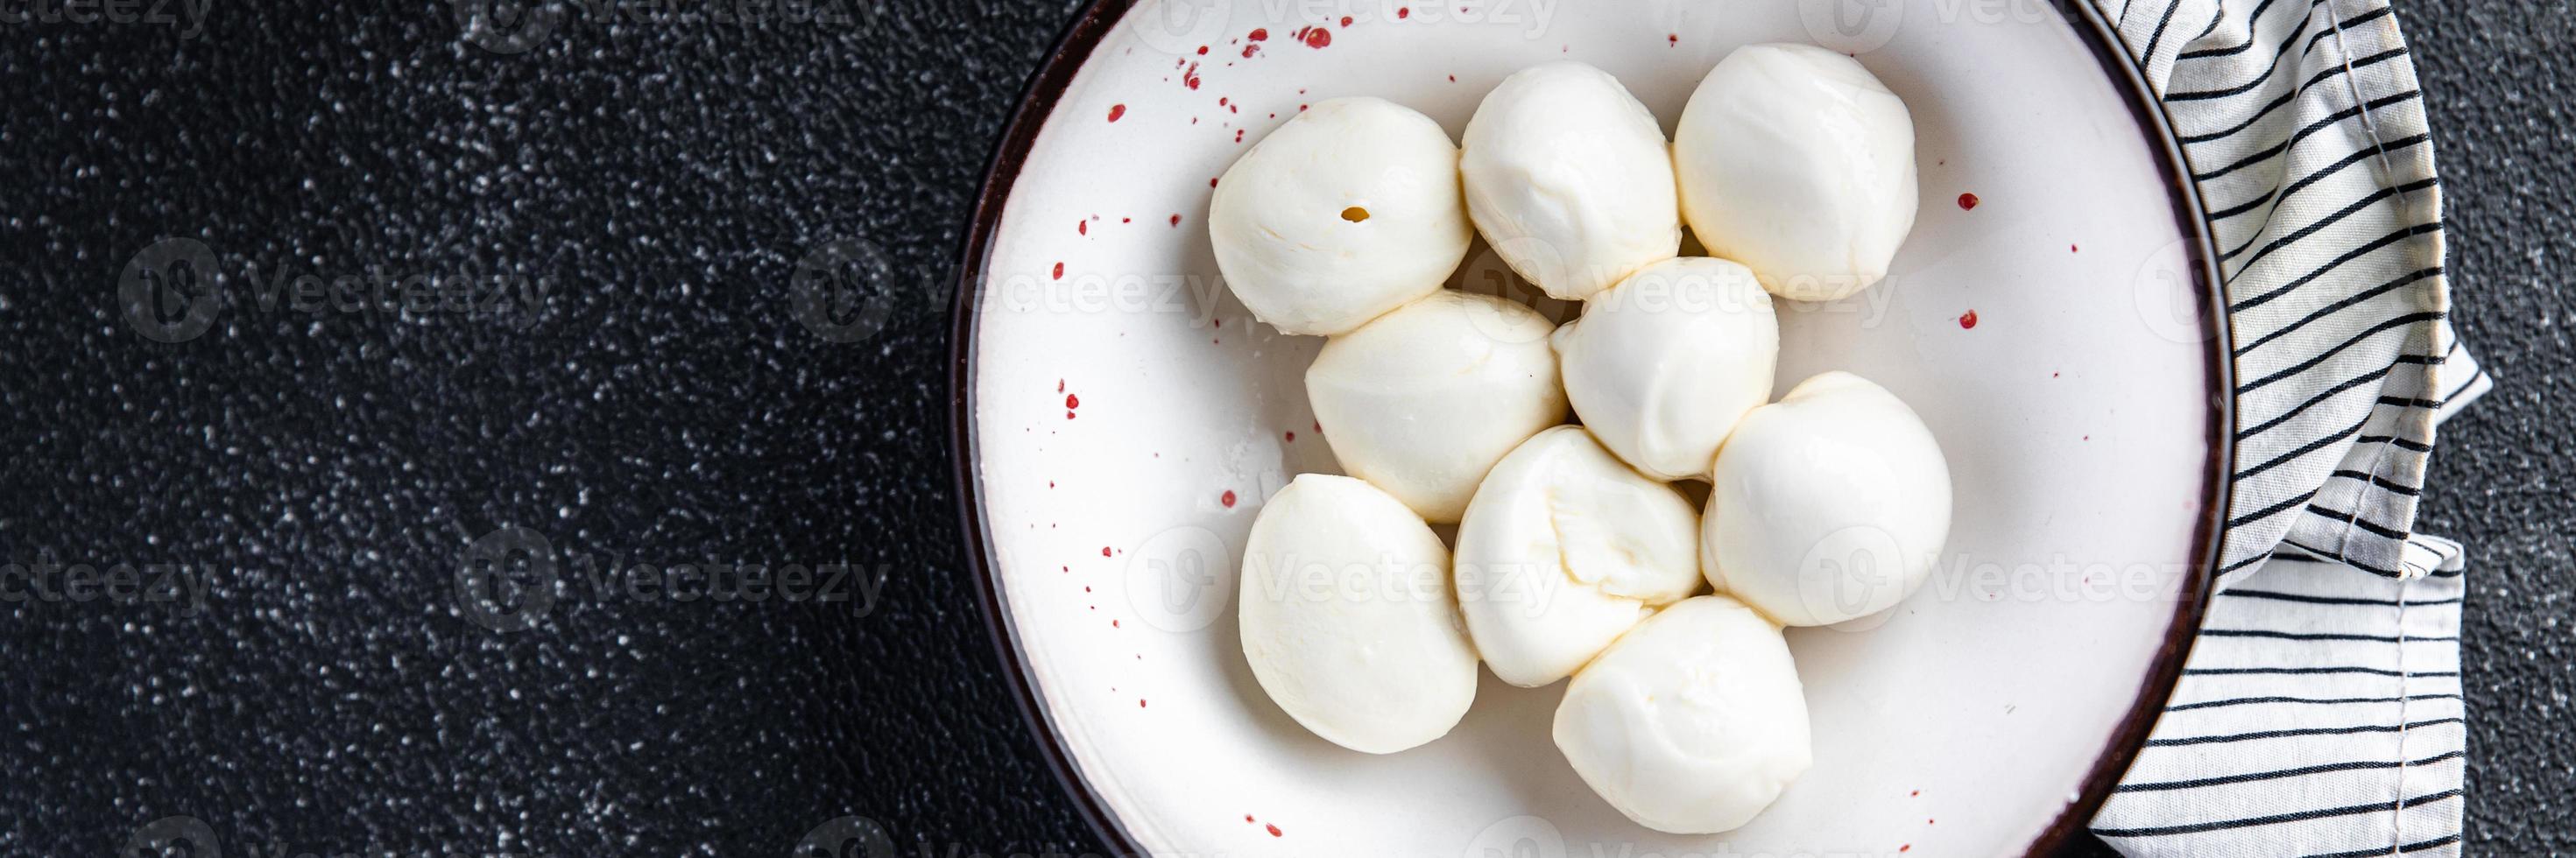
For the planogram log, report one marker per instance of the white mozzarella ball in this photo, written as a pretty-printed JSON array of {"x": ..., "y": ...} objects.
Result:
[
  {"x": 1797, "y": 162},
  {"x": 1691, "y": 724},
  {"x": 1564, "y": 549},
  {"x": 1569, "y": 179},
  {"x": 1348, "y": 210},
  {"x": 1424, "y": 400},
  {"x": 1663, "y": 364},
  {"x": 1828, "y": 505},
  {"x": 1348, "y": 618}
]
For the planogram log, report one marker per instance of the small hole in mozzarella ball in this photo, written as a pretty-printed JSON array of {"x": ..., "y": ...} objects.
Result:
[{"x": 1280, "y": 218}]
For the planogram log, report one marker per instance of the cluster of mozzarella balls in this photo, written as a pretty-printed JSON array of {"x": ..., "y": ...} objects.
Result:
[{"x": 1575, "y": 553}]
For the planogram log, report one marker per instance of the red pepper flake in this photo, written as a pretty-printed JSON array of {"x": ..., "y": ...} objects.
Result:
[
  {"x": 1117, "y": 110},
  {"x": 1453, "y": 78},
  {"x": 1130, "y": 219},
  {"x": 1211, "y": 183},
  {"x": 1059, "y": 385},
  {"x": 1104, "y": 551},
  {"x": 1202, "y": 50},
  {"x": 1259, "y": 34},
  {"x": 1673, "y": 39},
  {"x": 1967, "y": 202},
  {"x": 1274, "y": 830},
  {"x": 1227, "y": 499},
  {"x": 1059, "y": 271},
  {"x": 1113, "y": 624},
  {"x": 1905, "y": 848},
  {"x": 1403, "y": 12},
  {"x": 1072, "y": 401},
  {"x": 1346, "y": 21},
  {"x": 1140, "y": 703},
  {"x": 1083, "y": 226},
  {"x": 1247, "y": 819},
  {"x": 1914, "y": 793},
  {"x": 1190, "y": 76},
  {"x": 1968, "y": 320},
  {"x": 2071, "y": 249},
  {"x": 1249, "y": 50},
  {"x": 1315, "y": 37},
  {"x": 1292, "y": 436},
  {"x": 1238, "y": 137},
  {"x": 1176, "y": 220}
]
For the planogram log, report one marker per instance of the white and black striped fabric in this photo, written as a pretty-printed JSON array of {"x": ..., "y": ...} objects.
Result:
[{"x": 2320, "y": 712}]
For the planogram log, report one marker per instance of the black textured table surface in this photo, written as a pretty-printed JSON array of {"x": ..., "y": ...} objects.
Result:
[{"x": 620, "y": 209}]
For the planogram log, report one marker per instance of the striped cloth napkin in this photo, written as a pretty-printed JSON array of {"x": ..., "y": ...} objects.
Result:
[{"x": 2320, "y": 711}]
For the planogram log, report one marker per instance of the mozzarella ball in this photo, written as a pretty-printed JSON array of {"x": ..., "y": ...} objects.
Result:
[
  {"x": 1663, "y": 364},
  {"x": 1569, "y": 179},
  {"x": 1828, "y": 505},
  {"x": 1564, "y": 549},
  {"x": 1423, "y": 401},
  {"x": 1797, "y": 162},
  {"x": 1691, "y": 724},
  {"x": 1348, "y": 210},
  {"x": 1348, "y": 619}
]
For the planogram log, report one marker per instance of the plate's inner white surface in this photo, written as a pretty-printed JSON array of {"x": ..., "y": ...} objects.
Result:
[{"x": 1121, "y": 397}]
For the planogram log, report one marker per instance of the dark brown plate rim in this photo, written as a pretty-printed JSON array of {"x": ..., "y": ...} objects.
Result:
[{"x": 1096, "y": 21}]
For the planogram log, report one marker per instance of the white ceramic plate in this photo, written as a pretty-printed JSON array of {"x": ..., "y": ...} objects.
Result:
[{"x": 1122, "y": 418}]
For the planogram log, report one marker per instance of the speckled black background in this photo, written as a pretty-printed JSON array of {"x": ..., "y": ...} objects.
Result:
[{"x": 320, "y": 473}]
